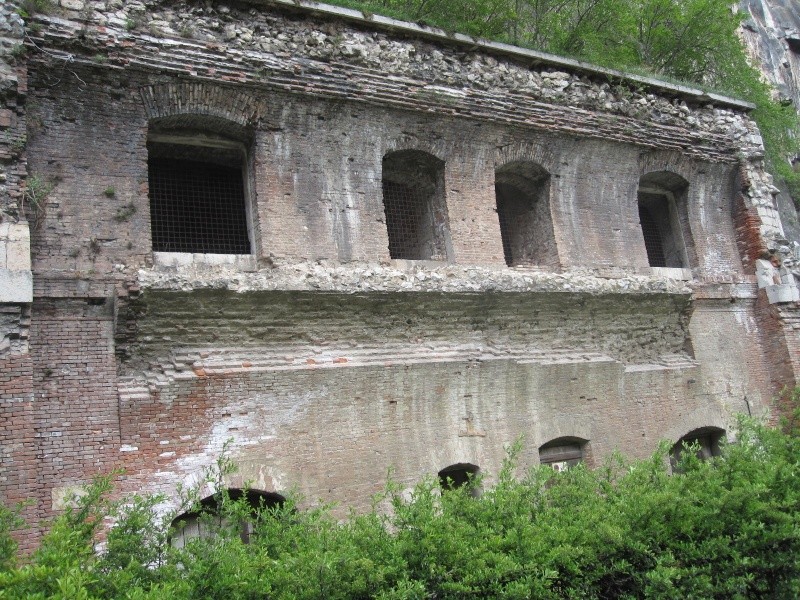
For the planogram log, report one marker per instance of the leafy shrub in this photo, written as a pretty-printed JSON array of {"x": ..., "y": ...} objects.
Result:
[{"x": 725, "y": 528}]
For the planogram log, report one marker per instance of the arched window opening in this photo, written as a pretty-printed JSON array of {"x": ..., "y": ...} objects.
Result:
[
  {"x": 458, "y": 476},
  {"x": 523, "y": 209},
  {"x": 198, "y": 193},
  {"x": 414, "y": 205},
  {"x": 706, "y": 442},
  {"x": 207, "y": 522},
  {"x": 663, "y": 217},
  {"x": 562, "y": 453}
]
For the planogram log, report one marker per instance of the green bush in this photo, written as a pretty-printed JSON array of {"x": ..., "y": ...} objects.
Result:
[{"x": 726, "y": 528}]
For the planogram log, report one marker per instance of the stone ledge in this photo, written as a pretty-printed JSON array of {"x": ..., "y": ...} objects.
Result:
[{"x": 399, "y": 276}]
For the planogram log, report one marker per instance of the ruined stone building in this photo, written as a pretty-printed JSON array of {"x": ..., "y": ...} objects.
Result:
[{"x": 349, "y": 244}]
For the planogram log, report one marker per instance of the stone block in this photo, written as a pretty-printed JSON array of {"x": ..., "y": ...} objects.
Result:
[
  {"x": 73, "y": 4},
  {"x": 782, "y": 293},
  {"x": 766, "y": 274},
  {"x": 172, "y": 259},
  {"x": 16, "y": 286},
  {"x": 18, "y": 248}
]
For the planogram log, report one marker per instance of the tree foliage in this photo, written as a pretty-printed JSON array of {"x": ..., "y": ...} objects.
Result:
[{"x": 726, "y": 528}]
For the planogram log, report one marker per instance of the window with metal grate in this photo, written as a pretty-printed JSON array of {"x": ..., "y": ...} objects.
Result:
[
  {"x": 414, "y": 205},
  {"x": 506, "y": 211},
  {"x": 402, "y": 205},
  {"x": 197, "y": 207}
]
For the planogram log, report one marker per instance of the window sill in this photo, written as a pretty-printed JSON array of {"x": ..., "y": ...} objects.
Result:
[
  {"x": 671, "y": 273},
  {"x": 176, "y": 260},
  {"x": 407, "y": 263}
]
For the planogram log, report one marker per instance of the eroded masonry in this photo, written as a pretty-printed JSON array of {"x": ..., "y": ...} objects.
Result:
[{"x": 349, "y": 244}]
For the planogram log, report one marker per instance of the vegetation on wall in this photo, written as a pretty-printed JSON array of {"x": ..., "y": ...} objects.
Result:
[
  {"x": 725, "y": 528},
  {"x": 692, "y": 41}
]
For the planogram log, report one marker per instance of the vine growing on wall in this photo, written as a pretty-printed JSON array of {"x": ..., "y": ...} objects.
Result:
[{"x": 35, "y": 200}]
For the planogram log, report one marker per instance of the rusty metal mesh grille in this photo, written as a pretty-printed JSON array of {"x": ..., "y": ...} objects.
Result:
[
  {"x": 652, "y": 238},
  {"x": 197, "y": 207},
  {"x": 505, "y": 216},
  {"x": 402, "y": 205}
]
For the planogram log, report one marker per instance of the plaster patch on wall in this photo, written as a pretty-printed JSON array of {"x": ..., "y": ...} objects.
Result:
[{"x": 233, "y": 432}]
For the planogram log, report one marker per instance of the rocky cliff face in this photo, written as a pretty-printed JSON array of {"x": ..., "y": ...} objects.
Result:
[{"x": 771, "y": 32}]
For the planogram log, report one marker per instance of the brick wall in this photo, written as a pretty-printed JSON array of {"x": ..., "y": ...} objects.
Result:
[
  {"x": 18, "y": 456},
  {"x": 316, "y": 190},
  {"x": 76, "y": 424}
]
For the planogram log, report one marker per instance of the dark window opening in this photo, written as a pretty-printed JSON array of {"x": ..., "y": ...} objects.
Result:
[
  {"x": 523, "y": 210},
  {"x": 705, "y": 441},
  {"x": 505, "y": 213},
  {"x": 403, "y": 215},
  {"x": 562, "y": 453},
  {"x": 207, "y": 521},
  {"x": 664, "y": 219},
  {"x": 457, "y": 476},
  {"x": 414, "y": 206},
  {"x": 511, "y": 206},
  {"x": 652, "y": 238},
  {"x": 197, "y": 200}
]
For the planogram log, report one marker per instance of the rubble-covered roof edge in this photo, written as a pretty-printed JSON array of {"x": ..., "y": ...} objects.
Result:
[{"x": 535, "y": 56}]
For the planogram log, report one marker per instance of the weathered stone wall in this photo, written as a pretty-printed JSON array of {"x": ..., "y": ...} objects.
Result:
[
  {"x": 320, "y": 204},
  {"x": 324, "y": 360}
]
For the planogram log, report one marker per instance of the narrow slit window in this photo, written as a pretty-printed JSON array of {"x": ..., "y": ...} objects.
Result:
[{"x": 652, "y": 238}]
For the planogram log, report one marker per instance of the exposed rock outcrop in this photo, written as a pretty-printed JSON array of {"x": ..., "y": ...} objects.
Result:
[{"x": 771, "y": 32}]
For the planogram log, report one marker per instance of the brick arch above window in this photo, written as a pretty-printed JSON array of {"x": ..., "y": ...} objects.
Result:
[
  {"x": 541, "y": 154},
  {"x": 228, "y": 112}
]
